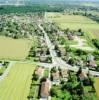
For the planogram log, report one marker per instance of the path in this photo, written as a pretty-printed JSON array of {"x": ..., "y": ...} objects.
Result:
[
  {"x": 7, "y": 70},
  {"x": 82, "y": 44}
]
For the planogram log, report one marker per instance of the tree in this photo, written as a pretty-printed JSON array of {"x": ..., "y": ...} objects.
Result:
[
  {"x": 66, "y": 30},
  {"x": 53, "y": 69},
  {"x": 71, "y": 61},
  {"x": 80, "y": 30},
  {"x": 56, "y": 47},
  {"x": 53, "y": 91},
  {"x": 75, "y": 97},
  {"x": 35, "y": 77}
]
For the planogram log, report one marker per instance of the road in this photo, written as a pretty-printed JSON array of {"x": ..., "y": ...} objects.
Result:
[
  {"x": 56, "y": 61},
  {"x": 7, "y": 70}
]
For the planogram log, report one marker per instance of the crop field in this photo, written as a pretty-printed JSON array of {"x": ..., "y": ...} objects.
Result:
[
  {"x": 15, "y": 49},
  {"x": 97, "y": 85},
  {"x": 75, "y": 22},
  {"x": 16, "y": 85}
]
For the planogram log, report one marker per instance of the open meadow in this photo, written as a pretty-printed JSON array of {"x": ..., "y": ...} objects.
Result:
[
  {"x": 75, "y": 22},
  {"x": 16, "y": 85},
  {"x": 14, "y": 49}
]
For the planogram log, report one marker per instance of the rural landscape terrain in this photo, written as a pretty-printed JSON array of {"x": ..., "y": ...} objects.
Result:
[{"x": 49, "y": 50}]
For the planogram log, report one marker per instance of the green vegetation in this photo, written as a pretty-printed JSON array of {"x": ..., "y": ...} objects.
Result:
[
  {"x": 74, "y": 89},
  {"x": 14, "y": 49},
  {"x": 16, "y": 84},
  {"x": 96, "y": 43},
  {"x": 59, "y": 94},
  {"x": 74, "y": 22},
  {"x": 34, "y": 89},
  {"x": 3, "y": 68},
  {"x": 46, "y": 72},
  {"x": 18, "y": 26},
  {"x": 97, "y": 86}
]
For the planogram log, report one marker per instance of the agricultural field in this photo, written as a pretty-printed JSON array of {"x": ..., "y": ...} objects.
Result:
[
  {"x": 14, "y": 49},
  {"x": 97, "y": 86},
  {"x": 16, "y": 85},
  {"x": 75, "y": 22}
]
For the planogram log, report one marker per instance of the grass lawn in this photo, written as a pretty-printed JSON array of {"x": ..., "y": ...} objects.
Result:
[
  {"x": 75, "y": 22},
  {"x": 46, "y": 72},
  {"x": 97, "y": 85},
  {"x": 16, "y": 84},
  {"x": 14, "y": 48}
]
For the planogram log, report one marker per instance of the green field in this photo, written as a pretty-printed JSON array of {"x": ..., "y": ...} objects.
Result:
[
  {"x": 97, "y": 85},
  {"x": 16, "y": 84},
  {"x": 75, "y": 22},
  {"x": 14, "y": 48}
]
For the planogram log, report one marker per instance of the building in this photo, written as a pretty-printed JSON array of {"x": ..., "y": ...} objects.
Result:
[
  {"x": 62, "y": 51},
  {"x": 82, "y": 76},
  {"x": 44, "y": 93},
  {"x": 55, "y": 77},
  {"x": 92, "y": 64},
  {"x": 90, "y": 58},
  {"x": 39, "y": 71},
  {"x": 70, "y": 36},
  {"x": 64, "y": 74}
]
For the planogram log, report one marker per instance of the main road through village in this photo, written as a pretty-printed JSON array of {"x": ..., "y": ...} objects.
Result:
[{"x": 56, "y": 61}]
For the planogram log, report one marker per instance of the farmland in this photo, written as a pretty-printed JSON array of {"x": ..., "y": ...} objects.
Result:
[
  {"x": 97, "y": 85},
  {"x": 17, "y": 83},
  {"x": 16, "y": 49},
  {"x": 75, "y": 22}
]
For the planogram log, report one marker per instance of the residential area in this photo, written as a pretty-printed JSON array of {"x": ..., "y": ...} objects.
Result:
[{"x": 49, "y": 51}]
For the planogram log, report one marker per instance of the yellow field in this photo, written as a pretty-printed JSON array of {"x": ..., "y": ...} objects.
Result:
[
  {"x": 97, "y": 85},
  {"x": 75, "y": 22},
  {"x": 14, "y": 48},
  {"x": 16, "y": 85}
]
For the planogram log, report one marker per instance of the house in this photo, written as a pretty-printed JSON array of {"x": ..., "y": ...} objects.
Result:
[
  {"x": 43, "y": 58},
  {"x": 62, "y": 51},
  {"x": 44, "y": 93},
  {"x": 79, "y": 62},
  {"x": 70, "y": 36},
  {"x": 90, "y": 58},
  {"x": 92, "y": 64},
  {"x": 55, "y": 76},
  {"x": 82, "y": 76},
  {"x": 38, "y": 52},
  {"x": 64, "y": 74},
  {"x": 39, "y": 71}
]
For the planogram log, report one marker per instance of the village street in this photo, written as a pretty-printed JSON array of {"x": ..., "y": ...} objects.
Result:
[{"x": 58, "y": 62}]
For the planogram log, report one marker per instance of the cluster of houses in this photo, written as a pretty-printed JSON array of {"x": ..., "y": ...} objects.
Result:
[
  {"x": 41, "y": 52},
  {"x": 45, "y": 84},
  {"x": 55, "y": 79},
  {"x": 58, "y": 74}
]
